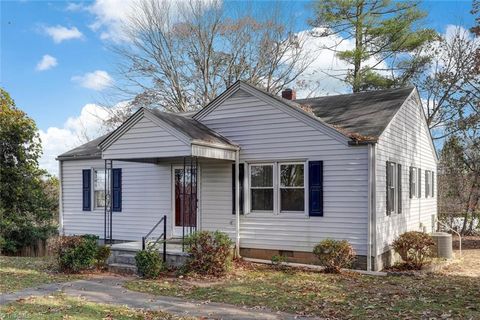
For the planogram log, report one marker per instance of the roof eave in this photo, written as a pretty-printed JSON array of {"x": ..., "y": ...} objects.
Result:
[
  {"x": 78, "y": 157},
  {"x": 361, "y": 143}
]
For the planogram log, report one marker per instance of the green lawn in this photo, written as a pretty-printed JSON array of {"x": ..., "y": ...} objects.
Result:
[
  {"x": 59, "y": 306},
  {"x": 347, "y": 296},
  {"x": 18, "y": 273}
]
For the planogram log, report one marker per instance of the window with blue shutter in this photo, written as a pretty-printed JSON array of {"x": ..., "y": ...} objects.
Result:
[
  {"x": 315, "y": 188},
  {"x": 241, "y": 178},
  {"x": 86, "y": 190},
  {"x": 117, "y": 190}
]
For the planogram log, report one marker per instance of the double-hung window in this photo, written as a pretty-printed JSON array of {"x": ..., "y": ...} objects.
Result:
[
  {"x": 394, "y": 188},
  {"x": 292, "y": 187},
  {"x": 261, "y": 187},
  {"x": 427, "y": 184},
  {"x": 99, "y": 188},
  {"x": 391, "y": 187},
  {"x": 413, "y": 182},
  {"x": 277, "y": 187}
]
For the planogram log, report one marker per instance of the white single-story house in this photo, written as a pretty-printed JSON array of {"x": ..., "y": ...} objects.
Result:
[{"x": 276, "y": 174}]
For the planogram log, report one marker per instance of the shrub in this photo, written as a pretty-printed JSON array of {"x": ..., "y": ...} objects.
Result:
[
  {"x": 415, "y": 248},
  {"x": 278, "y": 261},
  {"x": 211, "y": 252},
  {"x": 74, "y": 253},
  {"x": 334, "y": 254},
  {"x": 149, "y": 263},
  {"x": 101, "y": 256}
]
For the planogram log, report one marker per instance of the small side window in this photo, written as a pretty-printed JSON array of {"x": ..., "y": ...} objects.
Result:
[
  {"x": 413, "y": 182},
  {"x": 99, "y": 188}
]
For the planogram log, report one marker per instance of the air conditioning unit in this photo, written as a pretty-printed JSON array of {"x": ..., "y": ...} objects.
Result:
[{"x": 443, "y": 244}]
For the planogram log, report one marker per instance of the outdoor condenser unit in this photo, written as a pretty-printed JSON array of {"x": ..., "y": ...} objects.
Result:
[{"x": 443, "y": 244}]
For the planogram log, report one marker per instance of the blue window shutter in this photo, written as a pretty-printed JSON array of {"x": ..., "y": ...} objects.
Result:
[
  {"x": 117, "y": 190},
  {"x": 241, "y": 178},
  {"x": 86, "y": 190},
  {"x": 315, "y": 188}
]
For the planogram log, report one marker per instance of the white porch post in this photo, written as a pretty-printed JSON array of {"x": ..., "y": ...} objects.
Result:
[{"x": 237, "y": 203}]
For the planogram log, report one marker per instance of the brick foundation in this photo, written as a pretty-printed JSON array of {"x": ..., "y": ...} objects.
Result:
[{"x": 294, "y": 256}]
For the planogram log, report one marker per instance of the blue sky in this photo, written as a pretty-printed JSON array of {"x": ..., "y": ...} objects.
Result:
[{"x": 75, "y": 37}]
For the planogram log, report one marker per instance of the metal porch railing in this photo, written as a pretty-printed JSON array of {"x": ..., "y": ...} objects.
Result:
[{"x": 162, "y": 238}]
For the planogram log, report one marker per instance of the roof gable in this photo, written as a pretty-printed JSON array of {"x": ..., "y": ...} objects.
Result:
[{"x": 286, "y": 106}]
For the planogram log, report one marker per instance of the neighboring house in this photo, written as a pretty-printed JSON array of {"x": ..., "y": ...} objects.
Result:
[{"x": 359, "y": 167}]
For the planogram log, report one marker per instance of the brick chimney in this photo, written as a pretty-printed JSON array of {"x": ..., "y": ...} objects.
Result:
[{"x": 289, "y": 94}]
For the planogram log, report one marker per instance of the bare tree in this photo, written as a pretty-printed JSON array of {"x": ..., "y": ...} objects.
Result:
[
  {"x": 181, "y": 55},
  {"x": 459, "y": 181},
  {"x": 450, "y": 87}
]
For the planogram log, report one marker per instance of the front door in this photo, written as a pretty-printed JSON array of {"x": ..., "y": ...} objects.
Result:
[{"x": 185, "y": 200}]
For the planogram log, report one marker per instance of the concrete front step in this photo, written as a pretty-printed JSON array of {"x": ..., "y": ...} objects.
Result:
[
  {"x": 122, "y": 256},
  {"x": 125, "y": 259},
  {"x": 122, "y": 268}
]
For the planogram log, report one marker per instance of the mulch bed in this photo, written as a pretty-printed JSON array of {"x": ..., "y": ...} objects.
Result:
[{"x": 468, "y": 242}]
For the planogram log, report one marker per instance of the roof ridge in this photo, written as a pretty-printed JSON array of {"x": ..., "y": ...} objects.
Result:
[{"x": 359, "y": 93}]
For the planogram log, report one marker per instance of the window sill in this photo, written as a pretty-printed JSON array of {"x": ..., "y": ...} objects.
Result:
[{"x": 270, "y": 215}]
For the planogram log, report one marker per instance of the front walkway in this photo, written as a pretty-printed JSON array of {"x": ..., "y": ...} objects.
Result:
[{"x": 109, "y": 290}]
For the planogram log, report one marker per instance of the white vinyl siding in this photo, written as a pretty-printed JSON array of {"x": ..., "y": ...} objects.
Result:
[
  {"x": 405, "y": 141},
  {"x": 267, "y": 134},
  {"x": 146, "y": 139},
  {"x": 216, "y": 197},
  {"x": 146, "y": 197}
]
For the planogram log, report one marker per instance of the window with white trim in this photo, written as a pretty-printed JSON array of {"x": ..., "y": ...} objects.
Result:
[
  {"x": 292, "y": 187},
  {"x": 391, "y": 187},
  {"x": 99, "y": 188},
  {"x": 261, "y": 187},
  {"x": 413, "y": 182},
  {"x": 427, "y": 184}
]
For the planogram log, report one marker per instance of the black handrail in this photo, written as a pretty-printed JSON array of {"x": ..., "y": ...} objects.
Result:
[{"x": 163, "y": 237}]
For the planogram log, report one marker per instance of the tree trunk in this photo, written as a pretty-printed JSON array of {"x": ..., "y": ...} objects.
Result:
[{"x": 357, "y": 59}]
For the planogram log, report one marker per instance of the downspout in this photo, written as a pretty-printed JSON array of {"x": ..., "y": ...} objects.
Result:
[
  {"x": 237, "y": 203},
  {"x": 369, "y": 222},
  {"x": 60, "y": 198},
  {"x": 372, "y": 208}
]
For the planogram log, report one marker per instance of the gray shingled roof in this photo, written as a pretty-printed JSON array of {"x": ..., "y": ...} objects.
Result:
[
  {"x": 85, "y": 151},
  {"x": 191, "y": 128},
  {"x": 183, "y": 123},
  {"x": 364, "y": 115}
]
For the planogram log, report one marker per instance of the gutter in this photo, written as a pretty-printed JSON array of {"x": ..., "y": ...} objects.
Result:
[
  {"x": 78, "y": 157},
  {"x": 361, "y": 143},
  {"x": 231, "y": 147}
]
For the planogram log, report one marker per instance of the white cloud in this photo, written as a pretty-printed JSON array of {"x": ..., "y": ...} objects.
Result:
[
  {"x": 110, "y": 18},
  {"x": 96, "y": 80},
  {"x": 61, "y": 33},
  {"x": 46, "y": 63},
  {"x": 74, "y": 6},
  {"x": 75, "y": 131}
]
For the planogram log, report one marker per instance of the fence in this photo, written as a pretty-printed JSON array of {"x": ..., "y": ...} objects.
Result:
[{"x": 38, "y": 249}]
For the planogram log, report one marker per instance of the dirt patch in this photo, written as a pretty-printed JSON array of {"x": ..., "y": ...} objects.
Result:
[
  {"x": 468, "y": 242},
  {"x": 467, "y": 264}
]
